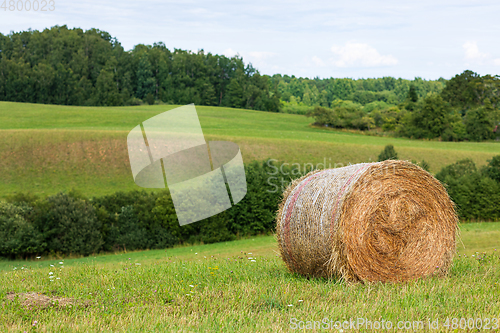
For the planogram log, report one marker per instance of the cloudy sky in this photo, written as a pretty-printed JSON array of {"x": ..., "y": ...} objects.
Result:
[{"x": 307, "y": 38}]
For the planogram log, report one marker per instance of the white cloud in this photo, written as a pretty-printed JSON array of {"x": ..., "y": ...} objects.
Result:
[
  {"x": 317, "y": 61},
  {"x": 261, "y": 55},
  {"x": 229, "y": 53},
  {"x": 472, "y": 52},
  {"x": 360, "y": 55},
  {"x": 297, "y": 31},
  {"x": 204, "y": 13}
]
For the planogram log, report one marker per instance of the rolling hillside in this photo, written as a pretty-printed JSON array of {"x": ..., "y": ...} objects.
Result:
[{"x": 46, "y": 149}]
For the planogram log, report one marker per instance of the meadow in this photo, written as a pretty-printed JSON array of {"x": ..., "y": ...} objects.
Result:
[
  {"x": 45, "y": 149},
  {"x": 241, "y": 286}
]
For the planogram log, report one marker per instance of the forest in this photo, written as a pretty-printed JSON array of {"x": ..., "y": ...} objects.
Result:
[{"x": 76, "y": 67}]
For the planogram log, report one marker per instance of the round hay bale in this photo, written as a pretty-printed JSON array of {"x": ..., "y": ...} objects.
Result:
[{"x": 385, "y": 221}]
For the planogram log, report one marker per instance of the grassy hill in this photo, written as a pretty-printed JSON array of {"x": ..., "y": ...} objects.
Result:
[{"x": 46, "y": 148}]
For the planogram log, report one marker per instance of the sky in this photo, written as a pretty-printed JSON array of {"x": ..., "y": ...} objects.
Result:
[{"x": 307, "y": 38}]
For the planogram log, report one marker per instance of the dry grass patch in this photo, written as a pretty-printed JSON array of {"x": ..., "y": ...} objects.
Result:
[{"x": 43, "y": 301}]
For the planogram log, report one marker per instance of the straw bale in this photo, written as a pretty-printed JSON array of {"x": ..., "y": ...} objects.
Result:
[{"x": 385, "y": 221}]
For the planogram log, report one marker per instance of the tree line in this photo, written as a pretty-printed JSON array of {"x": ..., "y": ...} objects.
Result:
[
  {"x": 300, "y": 94},
  {"x": 76, "y": 67},
  {"x": 467, "y": 108}
]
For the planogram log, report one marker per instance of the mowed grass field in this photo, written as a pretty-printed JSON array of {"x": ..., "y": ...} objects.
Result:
[
  {"x": 242, "y": 286},
  {"x": 45, "y": 149}
]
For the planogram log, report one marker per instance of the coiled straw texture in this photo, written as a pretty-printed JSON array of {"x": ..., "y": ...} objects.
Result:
[{"x": 385, "y": 221}]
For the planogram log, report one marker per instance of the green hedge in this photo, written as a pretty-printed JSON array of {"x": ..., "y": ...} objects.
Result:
[
  {"x": 68, "y": 223},
  {"x": 18, "y": 235},
  {"x": 475, "y": 192}
]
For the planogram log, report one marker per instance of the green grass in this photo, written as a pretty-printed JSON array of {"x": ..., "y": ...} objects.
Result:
[
  {"x": 260, "y": 245},
  {"x": 479, "y": 237},
  {"x": 45, "y": 148},
  {"x": 199, "y": 288},
  {"x": 216, "y": 287}
]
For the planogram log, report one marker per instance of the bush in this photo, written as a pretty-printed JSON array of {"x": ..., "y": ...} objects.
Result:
[
  {"x": 130, "y": 234},
  {"x": 215, "y": 229},
  {"x": 478, "y": 124},
  {"x": 366, "y": 97},
  {"x": 27, "y": 198},
  {"x": 429, "y": 120},
  {"x": 265, "y": 184},
  {"x": 475, "y": 193},
  {"x": 322, "y": 116},
  {"x": 388, "y": 154},
  {"x": 68, "y": 225},
  {"x": 135, "y": 101},
  {"x": 118, "y": 211},
  {"x": 18, "y": 237},
  {"x": 492, "y": 170},
  {"x": 377, "y": 105},
  {"x": 345, "y": 115},
  {"x": 155, "y": 212},
  {"x": 150, "y": 99},
  {"x": 476, "y": 197},
  {"x": 456, "y": 170}
]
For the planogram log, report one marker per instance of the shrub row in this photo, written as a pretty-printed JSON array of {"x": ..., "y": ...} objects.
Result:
[
  {"x": 475, "y": 192},
  {"x": 68, "y": 223}
]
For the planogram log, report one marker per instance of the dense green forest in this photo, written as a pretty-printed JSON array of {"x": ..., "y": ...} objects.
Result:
[
  {"x": 76, "y": 67},
  {"x": 298, "y": 95},
  {"x": 467, "y": 108}
]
